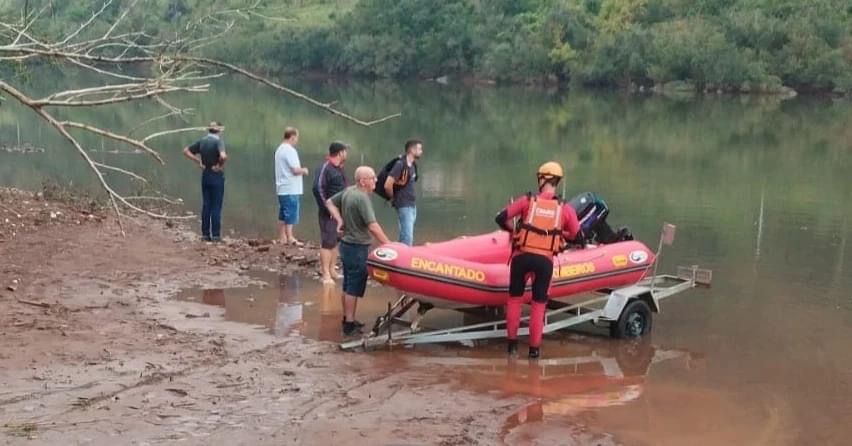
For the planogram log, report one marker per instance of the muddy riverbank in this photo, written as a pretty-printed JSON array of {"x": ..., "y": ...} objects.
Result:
[
  {"x": 157, "y": 338},
  {"x": 94, "y": 350}
]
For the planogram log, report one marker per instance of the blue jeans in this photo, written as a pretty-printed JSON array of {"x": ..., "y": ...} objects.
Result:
[
  {"x": 407, "y": 216},
  {"x": 212, "y": 192}
]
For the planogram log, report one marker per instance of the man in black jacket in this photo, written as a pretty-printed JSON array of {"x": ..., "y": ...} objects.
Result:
[{"x": 329, "y": 180}]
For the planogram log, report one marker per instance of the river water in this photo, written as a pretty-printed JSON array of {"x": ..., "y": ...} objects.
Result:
[{"x": 759, "y": 189}]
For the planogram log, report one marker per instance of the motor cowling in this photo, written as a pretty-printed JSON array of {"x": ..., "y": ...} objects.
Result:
[{"x": 592, "y": 212}]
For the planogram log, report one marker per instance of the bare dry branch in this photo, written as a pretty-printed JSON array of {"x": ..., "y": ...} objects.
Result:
[
  {"x": 64, "y": 54},
  {"x": 106, "y": 72},
  {"x": 169, "y": 132},
  {"x": 23, "y": 31},
  {"x": 171, "y": 108},
  {"x": 95, "y": 166},
  {"x": 116, "y": 100},
  {"x": 92, "y": 43},
  {"x": 56, "y": 124},
  {"x": 133, "y": 142},
  {"x": 133, "y": 175},
  {"x": 119, "y": 20},
  {"x": 325, "y": 106},
  {"x": 95, "y": 90},
  {"x": 84, "y": 25},
  {"x": 175, "y": 201},
  {"x": 157, "y": 118}
]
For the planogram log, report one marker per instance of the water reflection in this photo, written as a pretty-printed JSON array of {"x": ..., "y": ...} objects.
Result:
[
  {"x": 297, "y": 306},
  {"x": 330, "y": 313},
  {"x": 213, "y": 297},
  {"x": 581, "y": 375}
]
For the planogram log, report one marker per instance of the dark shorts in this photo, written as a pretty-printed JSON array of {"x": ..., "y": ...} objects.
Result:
[
  {"x": 354, "y": 259},
  {"x": 288, "y": 209},
  {"x": 542, "y": 269},
  {"x": 328, "y": 230}
]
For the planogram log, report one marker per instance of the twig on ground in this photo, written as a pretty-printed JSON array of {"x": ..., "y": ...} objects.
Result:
[
  {"x": 35, "y": 304},
  {"x": 17, "y": 214}
]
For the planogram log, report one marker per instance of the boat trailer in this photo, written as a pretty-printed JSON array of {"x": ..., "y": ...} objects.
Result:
[{"x": 626, "y": 310}]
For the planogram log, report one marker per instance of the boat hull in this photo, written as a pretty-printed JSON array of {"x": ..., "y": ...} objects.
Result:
[{"x": 474, "y": 271}]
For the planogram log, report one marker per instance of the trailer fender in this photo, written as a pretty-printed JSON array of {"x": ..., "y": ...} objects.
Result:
[{"x": 618, "y": 299}]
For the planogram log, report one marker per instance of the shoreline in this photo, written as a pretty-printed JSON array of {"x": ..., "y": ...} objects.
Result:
[{"x": 677, "y": 87}]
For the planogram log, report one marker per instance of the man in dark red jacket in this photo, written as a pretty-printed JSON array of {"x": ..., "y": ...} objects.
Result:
[{"x": 330, "y": 179}]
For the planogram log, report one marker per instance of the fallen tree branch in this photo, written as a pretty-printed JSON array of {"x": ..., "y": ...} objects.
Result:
[
  {"x": 169, "y": 132},
  {"x": 61, "y": 129},
  {"x": 127, "y": 98},
  {"x": 174, "y": 66},
  {"x": 167, "y": 200},
  {"x": 157, "y": 118},
  {"x": 120, "y": 170},
  {"x": 114, "y": 196},
  {"x": 133, "y": 142},
  {"x": 325, "y": 106}
]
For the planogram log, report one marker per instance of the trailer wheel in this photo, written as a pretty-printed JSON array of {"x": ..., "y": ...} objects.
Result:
[{"x": 635, "y": 321}]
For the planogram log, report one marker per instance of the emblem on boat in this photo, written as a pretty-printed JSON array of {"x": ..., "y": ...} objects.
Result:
[
  {"x": 638, "y": 256},
  {"x": 619, "y": 260},
  {"x": 385, "y": 254}
]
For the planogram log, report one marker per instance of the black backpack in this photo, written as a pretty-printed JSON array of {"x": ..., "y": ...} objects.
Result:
[{"x": 401, "y": 182}]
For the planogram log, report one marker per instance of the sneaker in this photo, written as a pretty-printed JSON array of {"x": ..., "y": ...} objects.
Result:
[
  {"x": 534, "y": 353},
  {"x": 206, "y": 238},
  {"x": 351, "y": 329},
  {"x": 358, "y": 323},
  {"x": 512, "y": 347},
  {"x": 215, "y": 239}
]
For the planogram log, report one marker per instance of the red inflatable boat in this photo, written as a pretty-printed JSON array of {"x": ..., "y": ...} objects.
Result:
[{"x": 474, "y": 271}]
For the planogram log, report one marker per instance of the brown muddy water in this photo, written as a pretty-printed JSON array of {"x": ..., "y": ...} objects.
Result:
[
  {"x": 588, "y": 389},
  {"x": 758, "y": 187}
]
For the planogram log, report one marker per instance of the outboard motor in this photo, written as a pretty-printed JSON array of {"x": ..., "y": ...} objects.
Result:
[{"x": 592, "y": 212}]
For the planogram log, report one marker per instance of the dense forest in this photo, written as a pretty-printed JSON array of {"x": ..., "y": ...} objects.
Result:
[{"x": 750, "y": 45}]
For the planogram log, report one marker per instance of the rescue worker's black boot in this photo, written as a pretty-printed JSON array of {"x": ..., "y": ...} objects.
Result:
[
  {"x": 534, "y": 353},
  {"x": 512, "y": 347}
]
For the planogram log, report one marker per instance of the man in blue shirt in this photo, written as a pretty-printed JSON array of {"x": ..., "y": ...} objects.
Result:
[
  {"x": 209, "y": 154},
  {"x": 288, "y": 185}
]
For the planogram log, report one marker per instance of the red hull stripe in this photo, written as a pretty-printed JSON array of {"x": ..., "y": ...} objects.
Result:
[{"x": 501, "y": 289}]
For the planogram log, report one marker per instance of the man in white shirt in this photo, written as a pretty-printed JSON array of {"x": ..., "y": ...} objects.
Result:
[{"x": 288, "y": 183}]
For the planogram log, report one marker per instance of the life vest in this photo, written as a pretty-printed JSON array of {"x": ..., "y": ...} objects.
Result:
[{"x": 540, "y": 232}]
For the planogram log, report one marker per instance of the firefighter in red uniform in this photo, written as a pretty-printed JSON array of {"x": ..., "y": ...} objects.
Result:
[{"x": 546, "y": 223}]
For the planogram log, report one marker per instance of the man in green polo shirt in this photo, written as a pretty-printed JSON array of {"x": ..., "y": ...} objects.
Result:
[{"x": 353, "y": 211}]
